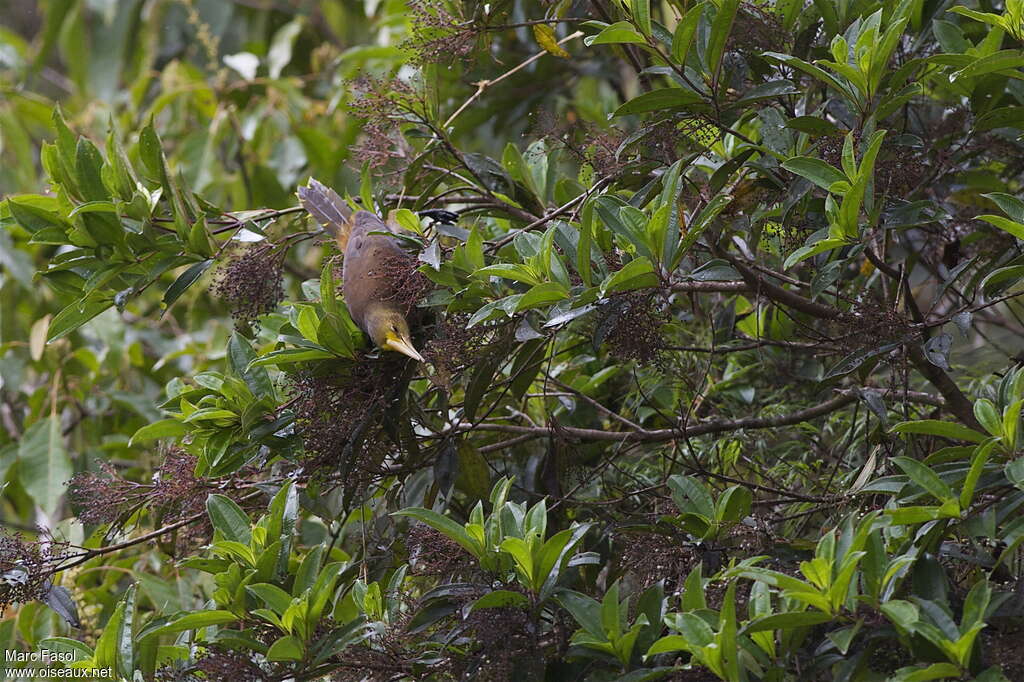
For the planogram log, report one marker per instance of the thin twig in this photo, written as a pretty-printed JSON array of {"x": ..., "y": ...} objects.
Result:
[{"x": 481, "y": 86}]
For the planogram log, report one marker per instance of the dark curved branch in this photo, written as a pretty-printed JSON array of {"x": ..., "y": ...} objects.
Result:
[{"x": 660, "y": 435}]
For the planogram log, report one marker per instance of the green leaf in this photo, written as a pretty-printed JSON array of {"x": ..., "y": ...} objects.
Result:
[
  {"x": 272, "y": 595},
  {"x": 513, "y": 271},
  {"x": 240, "y": 357},
  {"x": 805, "y": 252},
  {"x": 1011, "y": 205},
  {"x": 480, "y": 383},
  {"x": 659, "y": 100},
  {"x": 33, "y": 217},
  {"x": 787, "y": 620},
  {"x": 914, "y": 515},
  {"x": 682, "y": 39},
  {"x": 88, "y": 164},
  {"x": 165, "y": 428},
  {"x": 75, "y": 315},
  {"x": 935, "y": 427},
  {"x": 500, "y": 599},
  {"x": 1008, "y": 117},
  {"x": 924, "y": 477},
  {"x": 636, "y": 274},
  {"x": 619, "y": 32},
  {"x": 1004, "y": 61},
  {"x": 553, "y": 553},
  {"x": 107, "y": 644},
  {"x": 721, "y": 27},
  {"x": 986, "y": 414},
  {"x": 474, "y": 475},
  {"x": 229, "y": 519},
  {"x": 1015, "y": 472},
  {"x": 641, "y": 12},
  {"x": 813, "y": 70},
  {"x": 44, "y": 463},
  {"x": 443, "y": 525},
  {"x": 80, "y": 650},
  {"x": 986, "y": 17},
  {"x": 184, "y": 281},
  {"x": 668, "y": 644},
  {"x": 734, "y": 504},
  {"x": 817, "y": 171},
  {"x": 690, "y": 495},
  {"x": 935, "y": 671},
  {"x": 586, "y": 611},
  {"x": 287, "y": 648},
  {"x": 1001, "y": 278},
  {"x": 978, "y": 461},
  {"x": 307, "y": 321},
  {"x": 1005, "y": 224},
  {"x": 813, "y": 126},
  {"x": 288, "y": 356},
  {"x": 520, "y": 552},
  {"x": 542, "y": 295},
  {"x": 699, "y": 224},
  {"x": 125, "y": 642},
  {"x": 192, "y": 621},
  {"x": 583, "y": 265}
]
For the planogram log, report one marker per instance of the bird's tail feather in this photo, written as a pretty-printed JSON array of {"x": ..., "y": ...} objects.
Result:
[{"x": 329, "y": 209}]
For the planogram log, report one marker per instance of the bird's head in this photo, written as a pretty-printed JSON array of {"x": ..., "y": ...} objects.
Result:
[{"x": 389, "y": 331}]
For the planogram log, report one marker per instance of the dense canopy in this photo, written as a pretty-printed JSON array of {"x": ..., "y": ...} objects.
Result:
[{"x": 718, "y": 306}]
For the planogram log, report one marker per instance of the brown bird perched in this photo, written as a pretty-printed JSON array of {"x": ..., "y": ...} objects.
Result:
[{"x": 369, "y": 293}]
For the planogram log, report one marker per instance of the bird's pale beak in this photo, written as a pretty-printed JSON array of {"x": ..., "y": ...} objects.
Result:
[{"x": 403, "y": 346}]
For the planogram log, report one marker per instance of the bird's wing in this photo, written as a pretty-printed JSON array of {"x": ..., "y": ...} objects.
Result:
[
  {"x": 329, "y": 209},
  {"x": 364, "y": 277}
]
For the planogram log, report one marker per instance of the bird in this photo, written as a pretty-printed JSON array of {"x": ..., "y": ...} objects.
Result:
[{"x": 368, "y": 245}]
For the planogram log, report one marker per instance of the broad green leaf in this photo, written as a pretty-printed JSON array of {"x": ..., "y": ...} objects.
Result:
[
  {"x": 75, "y": 315},
  {"x": 817, "y": 171},
  {"x": 184, "y": 281},
  {"x": 1011, "y": 205},
  {"x": 786, "y": 620},
  {"x": 1005, "y": 62},
  {"x": 924, "y": 477},
  {"x": 1005, "y": 224},
  {"x": 682, "y": 39},
  {"x": 229, "y": 519},
  {"x": 165, "y": 428},
  {"x": 659, "y": 100},
  {"x": 934, "y": 427},
  {"x": 444, "y": 525},
  {"x": 641, "y": 12},
  {"x": 500, "y": 599},
  {"x": 636, "y": 274},
  {"x": 44, "y": 464},
  {"x": 193, "y": 621},
  {"x": 805, "y": 252},
  {"x": 287, "y": 648},
  {"x": 541, "y": 295},
  {"x": 619, "y": 32},
  {"x": 721, "y": 27},
  {"x": 513, "y": 271},
  {"x": 272, "y": 595}
]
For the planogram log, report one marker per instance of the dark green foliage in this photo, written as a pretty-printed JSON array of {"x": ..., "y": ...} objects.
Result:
[{"x": 719, "y": 303}]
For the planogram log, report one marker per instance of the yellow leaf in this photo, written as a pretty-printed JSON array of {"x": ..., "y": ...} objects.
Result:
[
  {"x": 545, "y": 36},
  {"x": 37, "y": 337}
]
